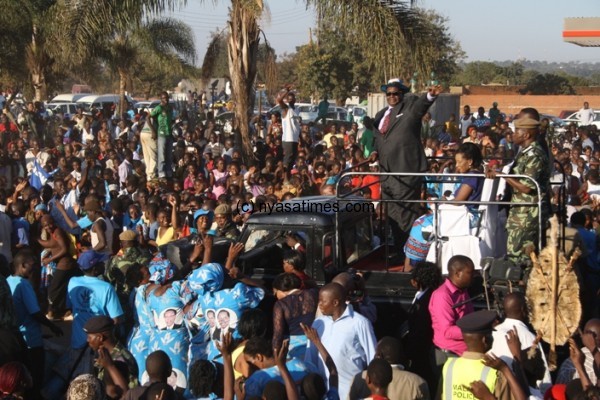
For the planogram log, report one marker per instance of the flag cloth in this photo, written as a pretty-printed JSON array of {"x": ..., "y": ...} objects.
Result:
[{"x": 39, "y": 176}]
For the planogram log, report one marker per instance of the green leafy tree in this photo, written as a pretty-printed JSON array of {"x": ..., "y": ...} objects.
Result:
[
  {"x": 25, "y": 30},
  {"x": 548, "y": 84},
  {"x": 477, "y": 73}
]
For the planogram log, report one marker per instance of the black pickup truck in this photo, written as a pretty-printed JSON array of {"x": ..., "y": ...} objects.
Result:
[{"x": 338, "y": 234}]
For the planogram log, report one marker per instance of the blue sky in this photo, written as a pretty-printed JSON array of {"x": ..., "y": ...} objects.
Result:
[{"x": 487, "y": 30}]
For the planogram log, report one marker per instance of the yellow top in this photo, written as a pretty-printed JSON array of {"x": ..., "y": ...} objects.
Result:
[{"x": 167, "y": 237}]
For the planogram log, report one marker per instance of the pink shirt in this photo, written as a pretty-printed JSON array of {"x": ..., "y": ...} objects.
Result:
[{"x": 446, "y": 335}]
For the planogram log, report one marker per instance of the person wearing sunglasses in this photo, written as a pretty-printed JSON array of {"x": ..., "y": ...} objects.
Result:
[{"x": 398, "y": 146}]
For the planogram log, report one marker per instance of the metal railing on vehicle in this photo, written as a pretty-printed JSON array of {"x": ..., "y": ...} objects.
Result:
[{"x": 436, "y": 202}]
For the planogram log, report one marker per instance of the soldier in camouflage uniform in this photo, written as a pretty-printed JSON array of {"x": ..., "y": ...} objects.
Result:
[
  {"x": 225, "y": 226},
  {"x": 522, "y": 224},
  {"x": 109, "y": 350},
  {"x": 129, "y": 254}
]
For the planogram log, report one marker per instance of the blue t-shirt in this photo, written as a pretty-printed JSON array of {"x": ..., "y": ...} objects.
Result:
[
  {"x": 256, "y": 383},
  {"x": 89, "y": 297},
  {"x": 26, "y": 304},
  {"x": 476, "y": 185}
]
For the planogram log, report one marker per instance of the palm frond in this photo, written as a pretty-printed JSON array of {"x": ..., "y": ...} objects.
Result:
[
  {"x": 171, "y": 36},
  {"x": 213, "y": 51}
]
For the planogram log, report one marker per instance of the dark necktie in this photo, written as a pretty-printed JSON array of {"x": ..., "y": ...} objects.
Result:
[{"x": 386, "y": 123}]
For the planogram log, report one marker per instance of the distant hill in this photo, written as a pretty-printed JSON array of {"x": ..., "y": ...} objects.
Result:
[{"x": 581, "y": 69}]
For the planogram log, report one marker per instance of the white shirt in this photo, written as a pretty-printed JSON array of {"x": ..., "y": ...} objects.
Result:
[
  {"x": 465, "y": 122},
  {"x": 290, "y": 126},
  {"x": 42, "y": 158},
  {"x": 586, "y": 116},
  {"x": 350, "y": 341},
  {"x": 500, "y": 346}
]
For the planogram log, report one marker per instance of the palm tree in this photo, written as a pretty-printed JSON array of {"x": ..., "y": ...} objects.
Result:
[
  {"x": 123, "y": 33},
  {"x": 242, "y": 46}
]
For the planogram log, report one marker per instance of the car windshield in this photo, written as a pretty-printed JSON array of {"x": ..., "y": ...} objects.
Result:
[
  {"x": 85, "y": 106},
  {"x": 261, "y": 237}
]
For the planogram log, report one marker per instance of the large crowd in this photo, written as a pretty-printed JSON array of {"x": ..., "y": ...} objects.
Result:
[{"x": 90, "y": 203}]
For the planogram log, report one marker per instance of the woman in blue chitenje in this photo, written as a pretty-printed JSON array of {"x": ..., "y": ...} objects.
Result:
[
  {"x": 217, "y": 311},
  {"x": 166, "y": 298}
]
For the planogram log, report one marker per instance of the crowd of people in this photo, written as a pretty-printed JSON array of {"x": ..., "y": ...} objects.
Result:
[{"x": 91, "y": 203}]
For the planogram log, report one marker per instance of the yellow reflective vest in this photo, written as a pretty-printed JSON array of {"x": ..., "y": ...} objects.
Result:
[{"x": 459, "y": 372}]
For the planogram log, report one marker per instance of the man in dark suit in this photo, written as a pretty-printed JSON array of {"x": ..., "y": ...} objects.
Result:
[{"x": 398, "y": 146}]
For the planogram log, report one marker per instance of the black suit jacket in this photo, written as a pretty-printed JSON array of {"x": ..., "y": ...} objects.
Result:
[
  {"x": 420, "y": 335},
  {"x": 400, "y": 149}
]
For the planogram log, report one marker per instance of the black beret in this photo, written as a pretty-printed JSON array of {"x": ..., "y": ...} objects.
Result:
[
  {"x": 99, "y": 324},
  {"x": 477, "y": 322}
]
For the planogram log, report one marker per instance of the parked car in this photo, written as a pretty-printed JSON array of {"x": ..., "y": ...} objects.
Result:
[
  {"x": 358, "y": 113},
  {"x": 573, "y": 118},
  {"x": 337, "y": 113},
  {"x": 308, "y": 112},
  {"x": 67, "y": 109},
  {"x": 565, "y": 113},
  {"x": 143, "y": 105},
  {"x": 99, "y": 101},
  {"x": 67, "y": 98}
]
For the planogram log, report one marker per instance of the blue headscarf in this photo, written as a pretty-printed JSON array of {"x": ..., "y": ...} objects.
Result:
[
  {"x": 161, "y": 270},
  {"x": 207, "y": 279}
]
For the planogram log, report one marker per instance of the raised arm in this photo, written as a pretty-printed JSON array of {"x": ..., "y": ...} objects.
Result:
[
  {"x": 61, "y": 208},
  {"x": 313, "y": 336},
  {"x": 173, "y": 203},
  {"x": 280, "y": 97},
  {"x": 280, "y": 359},
  {"x": 228, "y": 379}
]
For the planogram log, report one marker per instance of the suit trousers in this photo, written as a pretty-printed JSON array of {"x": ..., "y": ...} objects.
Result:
[{"x": 401, "y": 214}]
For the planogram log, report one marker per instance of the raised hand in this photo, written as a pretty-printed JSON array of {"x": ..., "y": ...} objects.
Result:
[
  {"x": 281, "y": 353},
  {"x": 234, "y": 250},
  {"x": 514, "y": 344},
  {"x": 104, "y": 358},
  {"x": 311, "y": 333},
  {"x": 576, "y": 354},
  {"x": 224, "y": 346},
  {"x": 435, "y": 90}
]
